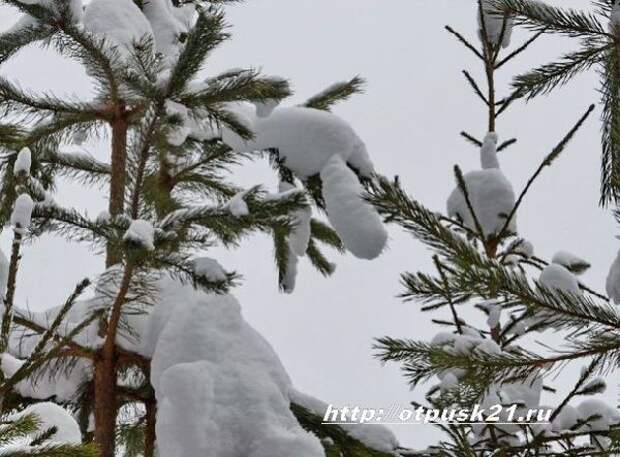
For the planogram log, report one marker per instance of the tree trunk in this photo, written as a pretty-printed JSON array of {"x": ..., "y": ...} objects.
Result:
[
  {"x": 120, "y": 127},
  {"x": 149, "y": 435},
  {"x": 105, "y": 405}
]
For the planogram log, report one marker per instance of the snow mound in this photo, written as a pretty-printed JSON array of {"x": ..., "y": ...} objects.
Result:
[
  {"x": 168, "y": 26},
  {"x": 22, "y": 213},
  {"x": 357, "y": 223},
  {"x": 571, "y": 262},
  {"x": 209, "y": 268},
  {"x": 51, "y": 415},
  {"x": 492, "y": 198},
  {"x": 119, "y": 22},
  {"x": 216, "y": 379},
  {"x": 23, "y": 163},
  {"x": 559, "y": 278},
  {"x": 490, "y": 193},
  {"x": 237, "y": 205},
  {"x": 375, "y": 437},
  {"x": 142, "y": 233},
  {"x": 311, "y": 142},
  {"x": 306, "y": 138}
]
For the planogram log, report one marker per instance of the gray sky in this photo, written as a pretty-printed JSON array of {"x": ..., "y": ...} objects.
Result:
[{"x": 415, "y": 105}]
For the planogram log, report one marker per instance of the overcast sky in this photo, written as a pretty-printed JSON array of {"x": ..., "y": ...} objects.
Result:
[{"x": 415, "y": 105}]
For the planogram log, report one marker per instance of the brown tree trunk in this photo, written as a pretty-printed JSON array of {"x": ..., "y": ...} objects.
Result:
[
  {"x": 105, "y": 405},
  {"x": 120, "y": 127},
  {"x": 149, "y": 435}
]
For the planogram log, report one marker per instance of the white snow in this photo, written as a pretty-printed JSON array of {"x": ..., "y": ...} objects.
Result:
[
  {"x": 22, "y": 213},
  {"x": 570, "y": 261},
  {"x": 209, "y": 268},
  {"x": 142, "y": 233},
  {"x": 306, "y": 138},
  {"x": 119, "y": 22},
  {"x": 103, "y": 217},
  {"x": 178, "y": 135},
  {"x": 52, "y": 415},
  {"x": 608, "y": 415},
  {"x": 216, "y": 379},
  {"x": 300, "y": 235},
  {"x": 357, "y": 223},
  {"x": 167, "y": 25},
  {"x": 374, "y": 436},
  {"x": 494, "y": 25},
  {"x": 237, "y": 205},
  {"x": 557, "y": 277},
  {"x": 490, "y": 193},
  {"x": 566, "y": 418},
  {"x": 288, "y": 281},
  {"x": 23, "y": 163},
  {"x": 612, "y": 284}
]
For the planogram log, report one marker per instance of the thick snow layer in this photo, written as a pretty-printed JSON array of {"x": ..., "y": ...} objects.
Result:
[
  {"x": 494, "y": 25},
  {"x": 356, "y": 221},
  {"x": 120, "y": 22},
  {"x": 216, "y": 379},
  {"x": 311, "y": 142},
  {"x": 612, "y": 284},
  {"x": 237, "y": 205},
  {"x": 526, "y": 394},
  {"x": 167, "y": 27},
  {"x": 566, "y": 418},
  {"x": 374, "y": 436},
  {"x": 23, "y": 163},
  {"x": 300, "y": 235},
  {"x": 492, "y": 198},
  {"x": 52, "y": 415},
  {"x": 570, "y": 261},
  {"x": 209, "y": 268},
  {"x": 306, "y": 138},
  {"x": 559, "y": 278},
  {"x": 142, "y": 233},
  {"x": 22, "y": 213},
  {"x": 178, "y": 135},
  {"x": 591, "y": 407},
  {"x": 490, "y": 193}
]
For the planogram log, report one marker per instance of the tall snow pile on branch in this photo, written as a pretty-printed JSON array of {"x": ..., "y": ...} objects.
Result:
[
  {"x": 313, "y": 142},
  {"x": 489, "y": 192}
]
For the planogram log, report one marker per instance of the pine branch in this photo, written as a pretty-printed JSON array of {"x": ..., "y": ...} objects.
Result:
[
  {"x": 474, "y": 85},
  {"x": 466, "y": 43},
  {"x": 335, "y": 93},
  {"x": 248, "y": 85},
  {"x": 205, "y": 36},
  {"x": 548, "y": 160},
  {"x": 519, "y": 50},
  {"x": 540, "y": 17},
  {"x": 546, "y": 78},
  {"x": 610, "y": 118}
]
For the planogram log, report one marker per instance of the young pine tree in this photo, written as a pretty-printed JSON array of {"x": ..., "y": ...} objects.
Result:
[
  {"x": 483, "y": 263},
  {"x": 158, "y": 360}
]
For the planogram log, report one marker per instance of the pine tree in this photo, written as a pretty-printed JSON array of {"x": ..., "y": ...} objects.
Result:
[
  {"x": 172, "y": 137},
  {"x": 482, "y": 262}
]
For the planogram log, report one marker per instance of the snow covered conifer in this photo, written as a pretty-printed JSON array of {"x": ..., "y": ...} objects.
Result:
[
  {"x": 483, "y": 262},
  {"x": 156, "y": 360}
]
